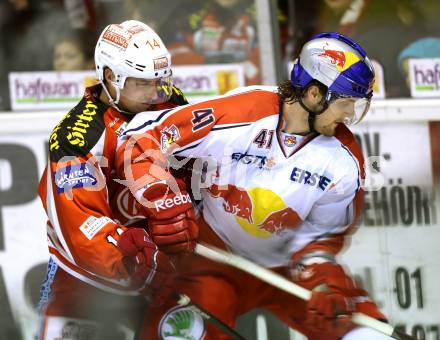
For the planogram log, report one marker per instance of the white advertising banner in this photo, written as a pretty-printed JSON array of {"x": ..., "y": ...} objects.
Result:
[
  {"x": 199, "y": 82},
  {"x": 62, "y": 90},
  {"x": 424, "y": 76},
  {"x": 48, "y": 90},
  {"x": 394, "y": 254}
]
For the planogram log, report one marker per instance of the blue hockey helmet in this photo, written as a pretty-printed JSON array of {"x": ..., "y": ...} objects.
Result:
[{"x": 339, "y": 63}]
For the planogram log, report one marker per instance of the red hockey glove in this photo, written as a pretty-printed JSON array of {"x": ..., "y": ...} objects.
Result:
[
  {"x": 330, "y": 312},
  {"x": 172, "y": 223},
  {"x": 176, "y": 234},
  {"x": 333, "y": 299},
  {"x": 151, "y": 271}
]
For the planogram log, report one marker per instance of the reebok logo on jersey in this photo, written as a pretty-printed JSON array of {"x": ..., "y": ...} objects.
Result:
[
  {"x": 312, "y": 179},
  {"x": 170, "y": 202}
]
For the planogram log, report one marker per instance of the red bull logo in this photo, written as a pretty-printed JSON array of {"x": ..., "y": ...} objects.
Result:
[
  {"x": 260, "y": 212},
  {"x": 236, "y": 200},
  {"x": 342, "y": 60},
  {"x": 279, "y": 220},
  {"x": 336, "y": 57},
  {"x": 289, "y": 140}
]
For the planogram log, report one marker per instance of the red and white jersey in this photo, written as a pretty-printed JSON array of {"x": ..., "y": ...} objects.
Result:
[
  {"x": 268, "y": 200},
  {"x": 76, "y": 189}
]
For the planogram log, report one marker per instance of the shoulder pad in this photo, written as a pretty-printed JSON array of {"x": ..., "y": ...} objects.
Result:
[{"x": 78, "y": 131}]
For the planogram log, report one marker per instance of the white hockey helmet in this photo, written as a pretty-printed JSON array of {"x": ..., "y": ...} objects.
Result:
[{"x": 133, "y": 49}]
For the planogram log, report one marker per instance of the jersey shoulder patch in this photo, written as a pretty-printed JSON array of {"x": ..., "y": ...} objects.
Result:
[{"x": 78, "y": 132}]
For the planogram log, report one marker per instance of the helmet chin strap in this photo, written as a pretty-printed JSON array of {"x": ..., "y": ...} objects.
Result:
[
  {"x": 312, "y": 114},
  {"x": 113, "y": 102}
]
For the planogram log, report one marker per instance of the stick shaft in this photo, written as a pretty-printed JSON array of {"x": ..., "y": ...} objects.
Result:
[
  {"x": 253, "y": 269},
  {"x": 282, "y": 283},
  {"x": 185, "y": 301}
]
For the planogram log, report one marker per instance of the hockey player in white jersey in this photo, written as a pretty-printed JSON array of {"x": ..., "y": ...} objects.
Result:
[{"x": 285, "y": 193}]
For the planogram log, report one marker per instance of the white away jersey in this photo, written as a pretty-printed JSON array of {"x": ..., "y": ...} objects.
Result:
[{"x": 265, "y": 201}]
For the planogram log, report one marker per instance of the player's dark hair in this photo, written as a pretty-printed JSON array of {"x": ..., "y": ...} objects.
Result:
[{"x": 290, "y": 94}]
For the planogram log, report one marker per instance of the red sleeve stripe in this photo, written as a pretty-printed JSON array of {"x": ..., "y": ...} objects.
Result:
[
  {"x": 355, "y": 160},
  {"x": 347, "y": 140}
]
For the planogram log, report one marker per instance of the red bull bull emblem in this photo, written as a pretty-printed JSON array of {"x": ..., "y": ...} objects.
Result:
[
  {"x": 169, "y": 136},
  {"x": 236, "y": 200},
  {"x": 260, "y": 212},
  {"x": 289, "y": 140},
  {"x": 279, "y": 220},
  {"x": 342, "y": 60},
  {"x": 336, "y": 57}
]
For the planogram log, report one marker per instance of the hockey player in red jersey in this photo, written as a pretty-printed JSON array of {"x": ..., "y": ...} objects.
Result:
[
  {"x": 99, "y": 267},
  {"x": 285, "y": 193}
]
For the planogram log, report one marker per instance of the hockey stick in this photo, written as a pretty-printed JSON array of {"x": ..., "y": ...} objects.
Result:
[
  {"x": 282, "y": 283},
  {"x": 184, "y": 300}
]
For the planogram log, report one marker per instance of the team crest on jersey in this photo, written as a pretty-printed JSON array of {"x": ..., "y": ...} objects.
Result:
[
  {"x": 169, "y": 136},
  {"x": 75, "y": 176},
  {"x": 181, "y": 323},
  {"x": 289, "y": 140}
]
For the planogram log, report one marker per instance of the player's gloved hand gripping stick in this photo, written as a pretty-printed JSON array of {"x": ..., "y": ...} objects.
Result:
[{"x": 282, "y": 283}]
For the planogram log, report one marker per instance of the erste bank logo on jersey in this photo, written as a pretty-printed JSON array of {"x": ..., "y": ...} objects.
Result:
[{"x": 313, "y": 179}]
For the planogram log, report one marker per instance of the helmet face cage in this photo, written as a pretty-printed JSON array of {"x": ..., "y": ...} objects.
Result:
[
  {"x": 360, "y": 106},
  {"x": 339, "y": 63},
  {"x": 148, "y": 91},
  {"x": 133, "y": 49}
]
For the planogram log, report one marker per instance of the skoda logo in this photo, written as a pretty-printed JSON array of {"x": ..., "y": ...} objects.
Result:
[{"x": 181, "y": 323}]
